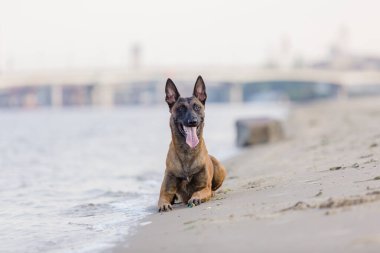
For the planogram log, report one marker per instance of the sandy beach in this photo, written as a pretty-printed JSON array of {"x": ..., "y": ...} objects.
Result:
[{"x": 316, "y": 191}]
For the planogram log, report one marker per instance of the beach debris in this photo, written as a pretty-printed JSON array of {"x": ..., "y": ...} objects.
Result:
[
  {"x": 224, "y": 191},
  {"x": 373, "y": 145},
  {"x": 350, "y": 201},
  {"x": 219, "y": 195},
  {"x": 300, "y": 205},
  {"x": 371, "y": 161},
  {"x": 355, "y": 165},
  {"x": 190, "y": 205},
  {"x": 371, "y": 179},
  {"x": 336, "y": 202},
  {"x": 318, "y": 194},
  {"x": 193, "y": 223},
  {"x": 366, "y": 156},
  {"x": 336, "y": 168},
  {"x": 249, "y": 215},
  {"x": 253, "y": 184},
  {"x": 145, "y": 223},
  {"x": 330, "y": 212},
  {"x": 189, "y": 222}
]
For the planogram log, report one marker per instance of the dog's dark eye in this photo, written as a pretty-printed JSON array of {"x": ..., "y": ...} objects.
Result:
[{"x": 196, "y": 107}]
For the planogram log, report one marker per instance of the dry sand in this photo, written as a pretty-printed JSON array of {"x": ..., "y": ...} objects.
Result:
[{"x": 317, "y": 191}]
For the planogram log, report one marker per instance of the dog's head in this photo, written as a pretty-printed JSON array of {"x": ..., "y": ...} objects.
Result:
[{"x": 187, "y": 114}]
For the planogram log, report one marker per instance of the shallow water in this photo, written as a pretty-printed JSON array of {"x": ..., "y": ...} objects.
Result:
[{"x": 78, "y": 180}]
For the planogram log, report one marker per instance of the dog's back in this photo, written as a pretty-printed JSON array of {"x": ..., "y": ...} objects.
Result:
[{"x": 219, "y": 174}]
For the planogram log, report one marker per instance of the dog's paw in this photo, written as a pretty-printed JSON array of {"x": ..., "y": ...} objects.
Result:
[
  {"x": 164, "y": 207},
  {"x": 194, "y": 202}
]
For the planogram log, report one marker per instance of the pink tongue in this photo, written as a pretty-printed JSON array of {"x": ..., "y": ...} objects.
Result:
[{"x": 191, "y": 136}]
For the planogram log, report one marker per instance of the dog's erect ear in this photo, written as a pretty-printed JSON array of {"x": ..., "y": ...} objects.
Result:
[
  {"x": 172, "y": 93},
  {"x": 200, "y": 90}
]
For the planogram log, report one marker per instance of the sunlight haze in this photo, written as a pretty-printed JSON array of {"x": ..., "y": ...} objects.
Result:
[{"x": 45, "y": 34}]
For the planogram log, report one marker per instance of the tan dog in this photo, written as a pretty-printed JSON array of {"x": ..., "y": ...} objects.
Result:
[{"x": 191, "y": 174}]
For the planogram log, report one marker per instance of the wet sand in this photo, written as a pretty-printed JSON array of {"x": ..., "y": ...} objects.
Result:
[{"x": 316, "y": 191}]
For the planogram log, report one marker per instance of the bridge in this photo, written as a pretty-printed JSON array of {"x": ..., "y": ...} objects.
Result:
[{"x": 108, "y": 87}]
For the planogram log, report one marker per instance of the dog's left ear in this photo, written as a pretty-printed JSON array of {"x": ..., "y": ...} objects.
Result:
[{"x": 200, "y": 90}]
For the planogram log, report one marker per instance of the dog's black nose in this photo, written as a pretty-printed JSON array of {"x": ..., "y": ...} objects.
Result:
[{"x": 193, "y": 121}]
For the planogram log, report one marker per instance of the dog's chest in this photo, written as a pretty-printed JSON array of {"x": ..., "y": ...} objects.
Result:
[
  {"x": 186, "y": 175},
  {"x": 185, "y": 183},
  {"x": 187, "y": 179},
  {"x": 188, "y": 167}
]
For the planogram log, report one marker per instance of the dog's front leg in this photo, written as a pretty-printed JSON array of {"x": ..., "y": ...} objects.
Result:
[
  {"x": 201, "y": 185},
  {"x": 167, "y": 193},
  {"x": 200, "y": 196}
]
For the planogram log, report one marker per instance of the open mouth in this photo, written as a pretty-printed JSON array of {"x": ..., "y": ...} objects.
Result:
[
  {"x": 190, "y": 134},
  {"x": 182, "y": 128}
]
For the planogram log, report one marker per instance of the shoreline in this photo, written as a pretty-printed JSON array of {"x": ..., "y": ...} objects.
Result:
[{"x": 314, "y": 191}]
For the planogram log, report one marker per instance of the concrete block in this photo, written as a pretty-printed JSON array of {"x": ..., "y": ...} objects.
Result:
[{"x": 253, "y": 131}]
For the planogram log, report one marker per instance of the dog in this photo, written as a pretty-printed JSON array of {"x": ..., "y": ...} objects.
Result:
[{"x": 191, "y": 175}]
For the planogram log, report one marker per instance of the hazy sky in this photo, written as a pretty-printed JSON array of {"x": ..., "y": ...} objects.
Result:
[{"x": 37, "y": 34}]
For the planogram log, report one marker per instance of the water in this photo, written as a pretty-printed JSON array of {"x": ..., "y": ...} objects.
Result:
[{"x": 78, "y": 180}]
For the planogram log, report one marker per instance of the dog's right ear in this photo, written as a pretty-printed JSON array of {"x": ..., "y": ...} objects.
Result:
[{"x": 172, "y": 93}]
